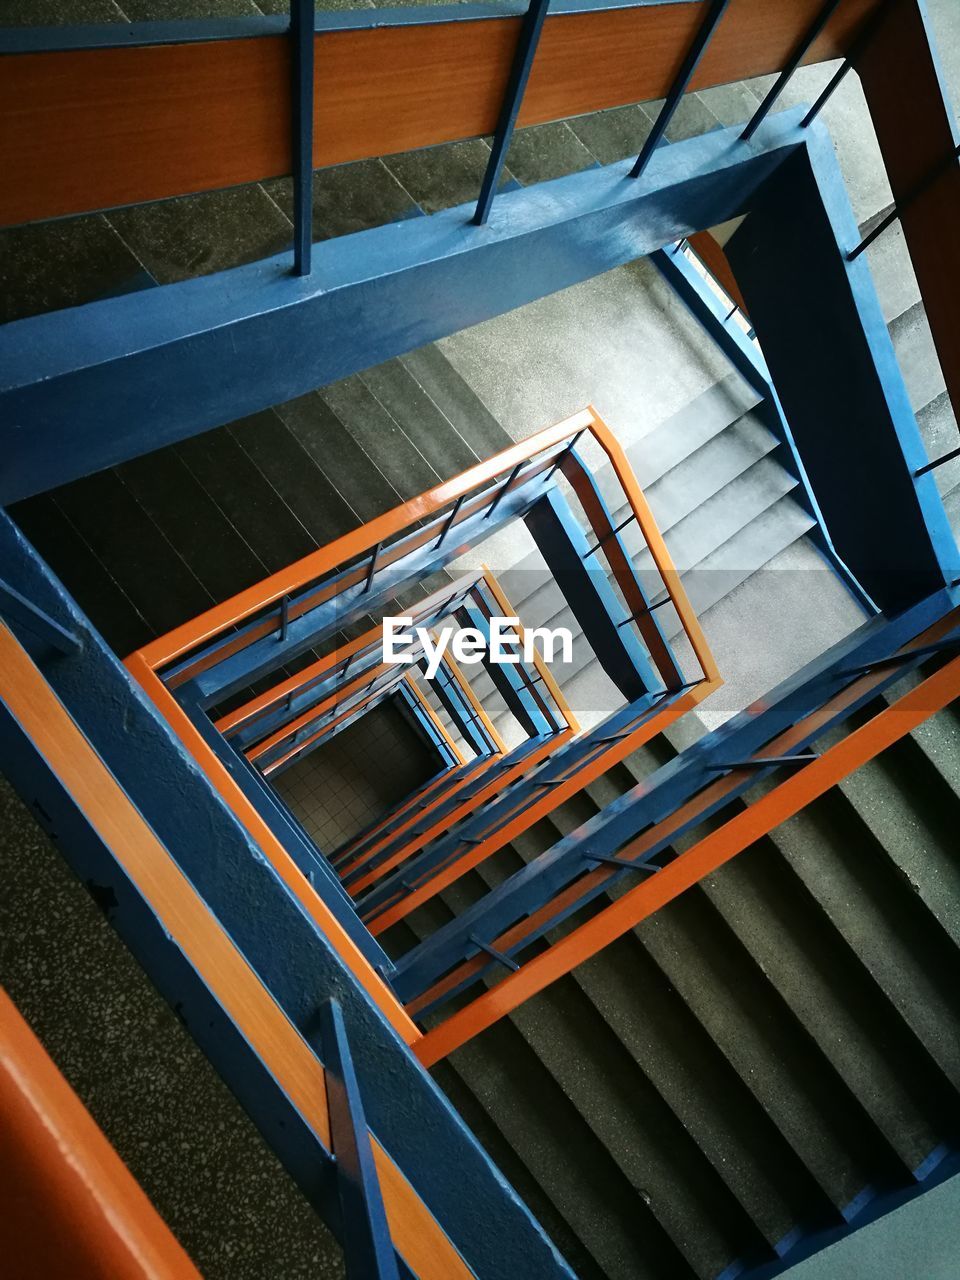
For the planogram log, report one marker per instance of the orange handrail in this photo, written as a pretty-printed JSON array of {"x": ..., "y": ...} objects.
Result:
[
  {"x": 291, "y": 875},
  {"x": 736, "y": 834},
  {"x": 208, "y": 625},
  {"x": 474, "y": 488},
  {"x": 70, "y": 1204},
  {"x": 432, "y": 716},
  {"x": 196, "y": 932}
]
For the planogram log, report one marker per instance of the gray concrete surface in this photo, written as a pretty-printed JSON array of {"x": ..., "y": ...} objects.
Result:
[{"x": 919, "y": 1241}]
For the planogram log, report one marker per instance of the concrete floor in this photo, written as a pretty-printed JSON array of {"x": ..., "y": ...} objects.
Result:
[{"x": 920, "y": 1241}]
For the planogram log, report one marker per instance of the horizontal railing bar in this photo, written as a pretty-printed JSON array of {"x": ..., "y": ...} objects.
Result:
[
  {"x": 898, "y": 659},
  {"x": 764, "y": 762},
  {"x": 938, "y": 462},
  {"x": 132, "y": 35},
  {"x": 610, "y": 861},
  {"x": 902, "y": 205},
  {"x": 494, "y": 954}
]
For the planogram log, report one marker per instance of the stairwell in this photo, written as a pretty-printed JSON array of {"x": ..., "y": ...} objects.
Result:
[{"x": 779, "y": 1045}]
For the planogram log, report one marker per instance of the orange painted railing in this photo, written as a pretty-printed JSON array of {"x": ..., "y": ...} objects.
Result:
[
  {"x": 733, "y": 837},
  {"x": 197, "y": 646},
  {"x": 195, "y": 931},
  {"x": 445, "y": 819},
  {"x": 71, "y": 1207},
  {"x": 386, "y": 538}
]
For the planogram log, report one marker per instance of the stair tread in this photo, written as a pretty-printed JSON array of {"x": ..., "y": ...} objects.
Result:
[
  {"x": 653, "y": 1151},
  {"x": 136, "y": 553},
  {"x": 424, "y": 424},
  {"x": 703, "y": 473},
  {"x": 105, "y": 602},
  {"x": 692, "y": 1075},
  {"x": 811, "y": 968},
  {"x": 920, "y": 840},
  {"x": 347, "y": 467},
  {"x": 270, "y": 446},
  {"x": 246, "y": 498},
  {"x": 861, "y": 893},
  {"x": 598, "y": 1205},
  {"x": 206, "y": 540},
  {"x": 917, "y": 356},
  {"x": 456, "y": 400},
  {"x": 736, "y": 1006},
  {"x": 376, "y": 432}
]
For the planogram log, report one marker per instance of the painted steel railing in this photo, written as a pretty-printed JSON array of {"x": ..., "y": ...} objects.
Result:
[
  {"x": 71, "y": 1206},
  {"x": 253, "y": 1037},
  {"x": 635, "y": 835},
  {"x": 196, "y": 674}
]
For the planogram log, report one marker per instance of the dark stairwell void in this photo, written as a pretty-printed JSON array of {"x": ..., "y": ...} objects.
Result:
[{"x": 346, "y": 785}]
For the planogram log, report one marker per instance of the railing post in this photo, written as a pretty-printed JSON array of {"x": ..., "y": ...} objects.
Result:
[
  {"x": 937, "y": 462},
  {"x": 904, "y": 204},
  {"x": 799, "y": 53},
  {"x": 365, "y": 1235},
  {"x": 519, "y": 75},
  {"x": 679, "y": 86},
  {"x": 302, "y": 35},
  {"x": 868, "y": 31}
]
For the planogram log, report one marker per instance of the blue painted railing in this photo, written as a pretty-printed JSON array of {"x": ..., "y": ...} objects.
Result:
[
  {"x": 364, "y": 1233},
  {"x": 655, "y": 800}
]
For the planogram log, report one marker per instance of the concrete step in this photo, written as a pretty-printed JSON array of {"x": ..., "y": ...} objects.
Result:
[
  {"x": 456, "y": 400},
  {"x": 337, "y": 454},
  {"x": 498, "y": 1144},
  {"x": 607, "y": 1225},
  {"x": 917, "y": 356},
  {"x": 664, "y": 1168},
  {"x": 816, "y": 976},
  {"x": 379, "y": 435},
  {"x": 247, "y": 499},
  {"x": 732, "y": 551},
  {"x": 846, "y": 870},
  {"x": 653, "y": 458},
  {"x": 675, "y": 440},
  {"x": 728, "y": 513},
  {"x": 920, "y": 840},
  {"x": 690, "y": 1073},
  {"x": 938, "y": 426},
  {"x": 761, "y": 1040},
  {"x": 134, "y": 551},
  {"x": 419, "y": 418},
  {"x": 651, "y": 1147},
  {"x": 937, "y": 738},
  {"x": 612, "y": 1224},
  {"x": 610, "y": 1016},
  {"x": 892, "y": 269},
  {"x": 768, "y": 533},
  {"x": 272, "y": 448},
  {"x": 108, "y": 606}
]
